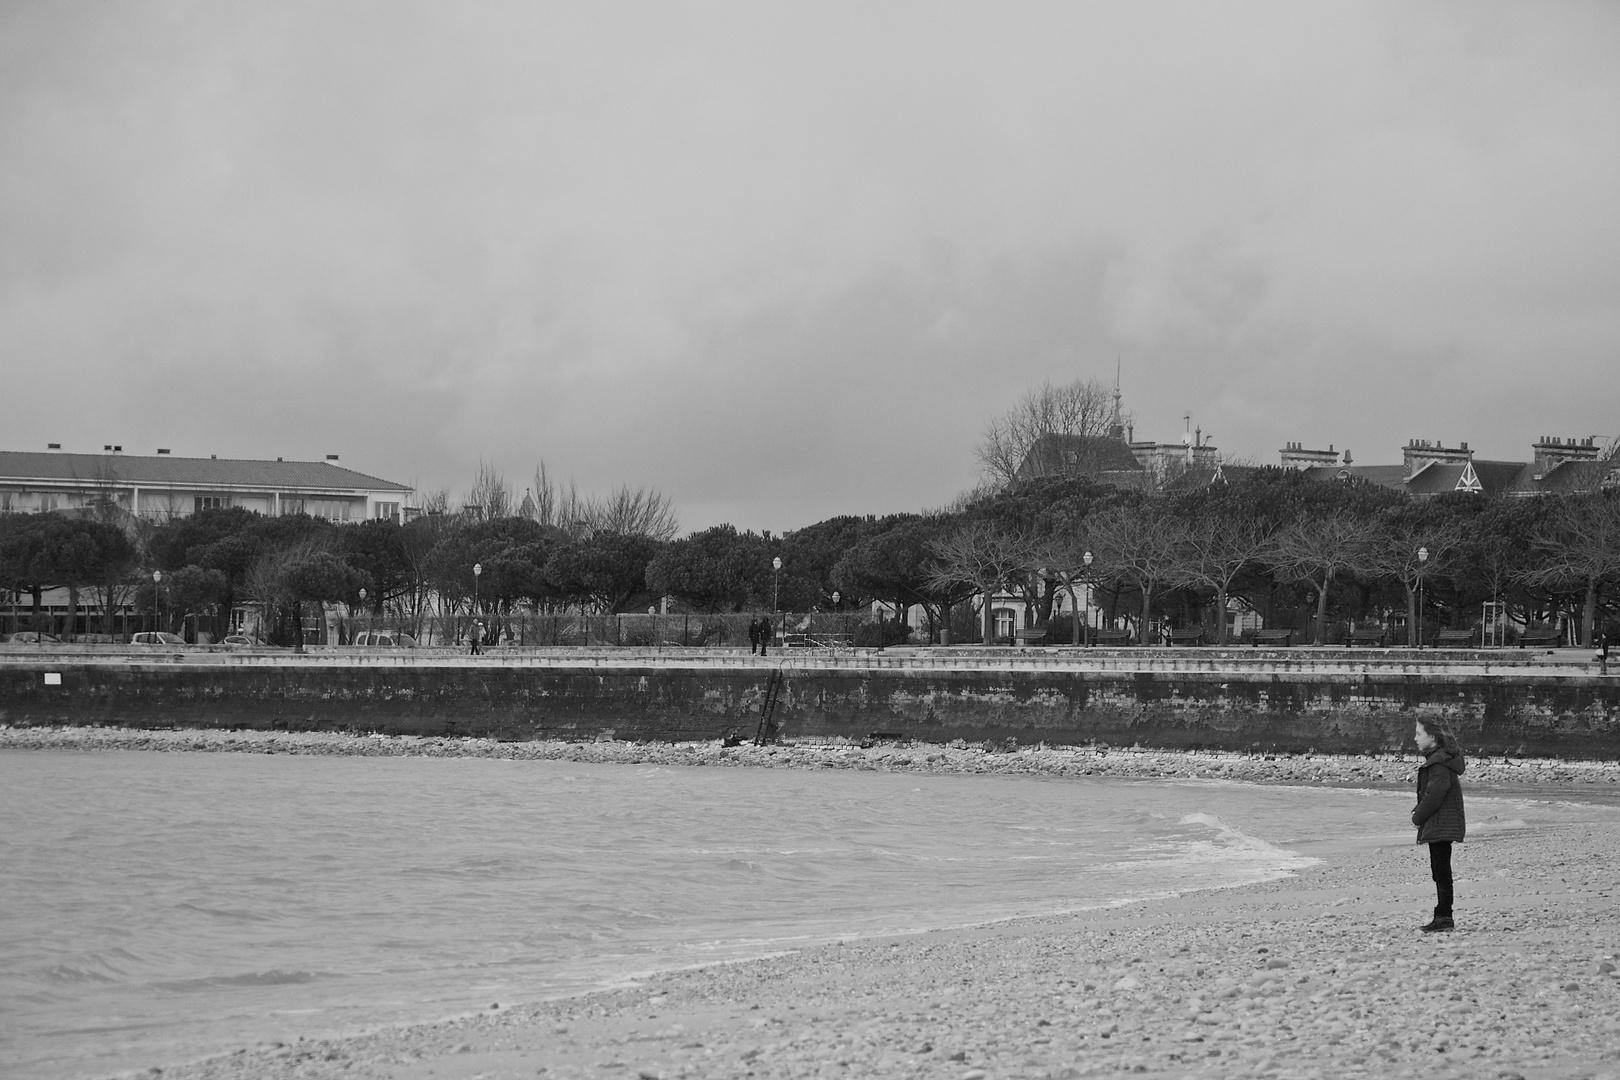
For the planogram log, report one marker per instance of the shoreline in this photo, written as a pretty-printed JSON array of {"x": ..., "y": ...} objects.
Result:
[
  {"x": 1375, "y": 770},
  {"x": 1318, "y": 974}
]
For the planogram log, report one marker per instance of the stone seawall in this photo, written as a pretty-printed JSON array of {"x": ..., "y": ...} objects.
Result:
[{"x": 1296, "y": 704}]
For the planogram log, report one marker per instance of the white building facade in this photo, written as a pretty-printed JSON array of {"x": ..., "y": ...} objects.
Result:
[{"x": 161, "y": 487}]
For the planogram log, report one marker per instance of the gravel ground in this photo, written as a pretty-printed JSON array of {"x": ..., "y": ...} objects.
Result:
[
  {"x": 1359, "y": 771},
  {"x": 1319, "y": 975}
]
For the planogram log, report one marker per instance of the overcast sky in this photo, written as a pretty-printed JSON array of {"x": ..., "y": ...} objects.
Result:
[{"x": 785, "y": 261}]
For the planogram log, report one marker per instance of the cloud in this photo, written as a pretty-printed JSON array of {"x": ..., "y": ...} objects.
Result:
[{"x": 785, "y": 261}]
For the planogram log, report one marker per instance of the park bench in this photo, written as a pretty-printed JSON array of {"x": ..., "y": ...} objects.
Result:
[
  {"x": 1110, "y": 637},
  {"x": 1279, "y": 638},
  {"x": 1368, "y": 636},
  {"x": 1031, "y": 635},
  {"x": 1539, "y": 637},
  {"x": 1456, "y": 639},
  {"x": 1192, "y": 635}
]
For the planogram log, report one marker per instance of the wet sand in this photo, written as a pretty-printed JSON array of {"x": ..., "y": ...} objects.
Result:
[{"x": 1323, "y": 974}]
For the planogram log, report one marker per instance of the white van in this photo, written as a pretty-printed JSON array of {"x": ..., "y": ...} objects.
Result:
[{"x": 388, "y": 638}]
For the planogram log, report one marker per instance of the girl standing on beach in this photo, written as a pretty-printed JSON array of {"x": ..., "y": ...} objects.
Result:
[{"x": 1439, "y": 813}]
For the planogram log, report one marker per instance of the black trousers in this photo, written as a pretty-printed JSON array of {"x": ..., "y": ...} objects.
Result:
[{"x": 1440, "y": 870}]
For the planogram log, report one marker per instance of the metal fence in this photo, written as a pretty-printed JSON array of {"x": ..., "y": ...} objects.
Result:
[{"x": 630, "y": 629}]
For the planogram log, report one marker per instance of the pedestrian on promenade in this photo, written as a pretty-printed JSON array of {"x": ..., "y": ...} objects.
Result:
[
  {"x": 765, "y": 631},
  {"x": 476, "y": 635},
  {"x": 753, "y": 636},
  {"x": 1439, "y": 812}
]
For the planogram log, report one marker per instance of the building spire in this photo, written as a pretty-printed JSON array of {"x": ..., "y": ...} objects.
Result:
[{"x": 1117, "y": 428}]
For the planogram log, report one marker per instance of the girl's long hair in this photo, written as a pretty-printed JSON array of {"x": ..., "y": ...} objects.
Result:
[{"x": 1440, "y": 734}]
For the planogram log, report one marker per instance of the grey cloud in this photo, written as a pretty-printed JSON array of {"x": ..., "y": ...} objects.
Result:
[{"x": 784, "y": 262}]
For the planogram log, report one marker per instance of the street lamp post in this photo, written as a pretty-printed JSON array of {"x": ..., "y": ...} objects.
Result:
[
  {"x": 1423, "y": 558},
  {"x": 478, "y": 568},
  {"x": 776, "y": 571},
  {"x": 1086, "y": 633},
  {"x": 157, "y": 581}
]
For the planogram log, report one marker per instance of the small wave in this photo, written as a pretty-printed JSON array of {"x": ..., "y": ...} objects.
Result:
[
  {"x": 1238, "y": 841},
  {"x": 274, "y": 977},
  {"x": 743, "y": 864},
  {"x": 235, "y": 915},
  {"x": 66, "y": 973}
]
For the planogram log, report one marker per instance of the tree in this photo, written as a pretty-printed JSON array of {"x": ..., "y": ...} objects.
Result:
[
  {"x": 895, "y": 563},
  {"x": 1217, "y": 546},
  {"x": 809, "y": 556},
  {"x": 377, "y": 548},
  {"x": 630, "y": 511},
  {"x": 1497, "y": 551},
  {"x": 1413, "y": 544},
  {"x": 1084, "y": 407},
  {"x": 81, "y": 553},
  {"x": 1579, "y": 549},
  {"x": 607, "y": 570},
  {"x": 24, "y": 556},
  {"x": 224, "y": 539},
  {"x": 192, "y": 590},
  {"x": 489, "y": 498},
  {"x": 1318, "y": 550},
  {"x": 718, "y": 569},
  {"x": 979, "y": 556},
  {"x": 1142, "y": 546}
]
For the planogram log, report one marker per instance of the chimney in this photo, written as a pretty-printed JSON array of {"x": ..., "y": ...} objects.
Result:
[
  {"x": 1552, "y": 452},
  {"x": 332, "y": 458},
  {"x": 163, "y": 450},
  {"x": 1295, "y": 456},
  {"x": 1419, "y": 454},
  {"x": 54, "y": 447}
]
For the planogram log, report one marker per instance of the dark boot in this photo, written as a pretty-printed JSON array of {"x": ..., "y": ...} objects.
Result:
[{"x": 1439, "y": 923}]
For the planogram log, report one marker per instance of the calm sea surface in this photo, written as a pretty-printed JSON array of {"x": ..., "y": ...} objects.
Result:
[{"x": 156, "y": 908}]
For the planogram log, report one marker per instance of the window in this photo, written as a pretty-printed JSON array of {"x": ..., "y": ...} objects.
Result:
[
  {"x": 292, "y": 506},
  {"x": 49, "y": 502},
  {"x": 330, "y": 509},
  {"x": 388, "y": 511},
  {"x": 7, "y": 502},
  {"x": 211, "y": 502},
  {"x": 1006, "y": 621}
]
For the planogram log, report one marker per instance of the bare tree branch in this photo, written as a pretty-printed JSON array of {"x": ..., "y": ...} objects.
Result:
[{"x": 1082, "y": 407}]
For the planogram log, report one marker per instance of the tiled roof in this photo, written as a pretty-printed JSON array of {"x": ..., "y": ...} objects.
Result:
[
  {"x": 1571, "y": 476},
  {"x": 1384, "y": 475},
  {"x": 1500, "y": 477},
  {"x": 164, "y": 471},
  {"x": 1495, "y": 477},
  {"x": 1077, "y": 454}
]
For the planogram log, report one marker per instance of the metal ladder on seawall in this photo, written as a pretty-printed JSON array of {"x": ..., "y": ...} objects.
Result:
[{"x": 766, "y": 732}]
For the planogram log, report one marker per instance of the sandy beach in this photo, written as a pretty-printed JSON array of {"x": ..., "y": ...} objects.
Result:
[{"x": 1322, "y": 974}]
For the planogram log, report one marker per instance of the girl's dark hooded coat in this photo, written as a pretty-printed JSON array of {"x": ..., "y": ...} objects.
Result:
[{"x": 1439, "y": 813}]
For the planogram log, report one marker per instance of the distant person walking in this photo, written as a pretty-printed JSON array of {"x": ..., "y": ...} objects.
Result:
[
  {"x": 476, "y": 636},
  {"x": 765, "y": 631},
  {"x": 753, "y": 636},
  {"x": 1439, "y": 812}
]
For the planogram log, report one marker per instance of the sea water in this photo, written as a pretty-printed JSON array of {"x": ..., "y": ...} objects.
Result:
[{"x": 156, "y": 908}]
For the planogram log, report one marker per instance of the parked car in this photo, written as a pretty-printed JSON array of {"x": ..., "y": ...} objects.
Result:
[
  {"x": 240, "y": 641},
  {"x": 391, "y": 638},
  {"x": 147, "y": 637},
  {"x": 34, "y": 637}
]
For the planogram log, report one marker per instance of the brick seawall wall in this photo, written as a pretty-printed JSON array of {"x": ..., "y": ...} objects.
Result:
[{"x": 1296, "y": 707}]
